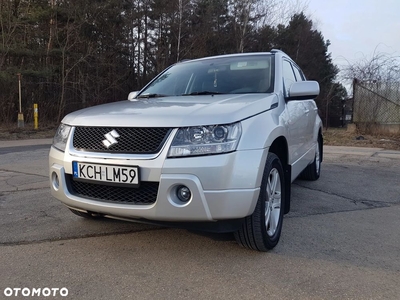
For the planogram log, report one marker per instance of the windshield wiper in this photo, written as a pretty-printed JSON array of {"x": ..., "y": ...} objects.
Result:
[
  {"x": 202, "y": 93},
  {"x": 147, "y": 96}
]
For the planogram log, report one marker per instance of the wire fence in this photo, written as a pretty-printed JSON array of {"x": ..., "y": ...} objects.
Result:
[{"x": 376, "y": 106}]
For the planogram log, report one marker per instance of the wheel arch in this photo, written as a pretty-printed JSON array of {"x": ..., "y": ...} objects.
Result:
[
  {"x": 321, "y": 144},
  {"x": 280, "y": 148}
]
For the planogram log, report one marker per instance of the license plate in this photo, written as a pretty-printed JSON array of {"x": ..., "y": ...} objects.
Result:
[{"x": 127, "y": 175}]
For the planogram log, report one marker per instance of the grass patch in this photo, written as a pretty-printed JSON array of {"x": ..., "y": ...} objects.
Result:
[
  {"x": 344, "y": 137},
  {"x": 12, "y": 132}
]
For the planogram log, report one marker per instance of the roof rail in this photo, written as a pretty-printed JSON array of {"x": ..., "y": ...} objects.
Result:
[{"x": 278, "y": 51}]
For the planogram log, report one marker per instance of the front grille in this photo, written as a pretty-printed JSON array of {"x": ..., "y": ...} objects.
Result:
[
  {"x": 131, "y": 140},
  {"x": 146, "y": 194}
]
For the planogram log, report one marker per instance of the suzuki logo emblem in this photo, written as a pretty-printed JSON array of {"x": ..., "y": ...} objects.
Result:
[{"x": 110, "y": 138}]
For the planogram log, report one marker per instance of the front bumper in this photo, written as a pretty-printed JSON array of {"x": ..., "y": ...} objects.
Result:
[{"x": 223, "y": 187}]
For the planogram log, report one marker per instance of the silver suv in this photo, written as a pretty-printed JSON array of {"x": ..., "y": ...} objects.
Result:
[{"x": 211, "y": 144}]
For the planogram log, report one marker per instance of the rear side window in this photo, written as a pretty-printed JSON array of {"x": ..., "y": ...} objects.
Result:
[
  {"x": 298, "y": 73},
  {"x": 288, "y": 76}
]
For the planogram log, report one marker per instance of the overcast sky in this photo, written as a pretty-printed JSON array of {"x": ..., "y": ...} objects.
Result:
[{"x": 357, "y": 27}]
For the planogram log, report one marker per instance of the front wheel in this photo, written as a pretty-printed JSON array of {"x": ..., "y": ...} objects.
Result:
[{"x": 261, "y": 230}]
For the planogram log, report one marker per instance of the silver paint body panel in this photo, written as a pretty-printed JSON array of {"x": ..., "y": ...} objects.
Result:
[{"x": 224, "y": 186}]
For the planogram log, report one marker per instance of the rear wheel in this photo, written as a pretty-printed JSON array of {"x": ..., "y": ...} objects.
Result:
[
  {"x": 313, "y": 171},
  {"x": 261, "y": 230}
]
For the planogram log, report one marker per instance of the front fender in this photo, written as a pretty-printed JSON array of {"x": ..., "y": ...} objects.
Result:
[{"x": 260, "y": 131}]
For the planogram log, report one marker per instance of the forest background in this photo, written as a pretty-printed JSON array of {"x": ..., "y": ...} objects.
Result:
[{"x": 73, "y": 54}]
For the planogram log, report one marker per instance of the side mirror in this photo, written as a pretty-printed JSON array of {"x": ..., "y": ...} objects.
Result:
[
  {"x": 132, "y": 95},
  {"x": 302, "y": 90}
]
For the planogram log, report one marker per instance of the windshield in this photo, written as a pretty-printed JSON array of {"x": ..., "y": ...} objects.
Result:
[{"x": 225, "y": 75}]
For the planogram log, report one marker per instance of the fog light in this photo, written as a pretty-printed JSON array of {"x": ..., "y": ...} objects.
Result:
[
  {"x": 183, "y": 193},
  {"x": 55, "y": 181}
]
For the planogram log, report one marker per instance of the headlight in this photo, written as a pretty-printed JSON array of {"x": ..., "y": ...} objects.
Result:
[
  {"x": 201, "y": 140},
  {"x": 61, "y": 137}
]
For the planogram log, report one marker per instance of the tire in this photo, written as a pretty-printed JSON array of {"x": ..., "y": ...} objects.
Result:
[
  {"x": 261, "y": 230},
  {"x": 85, "y": 215},
  {"x": 313, "y": 171}
]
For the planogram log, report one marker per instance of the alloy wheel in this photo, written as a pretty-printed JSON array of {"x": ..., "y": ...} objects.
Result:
[{"x": 273, "y": 202}]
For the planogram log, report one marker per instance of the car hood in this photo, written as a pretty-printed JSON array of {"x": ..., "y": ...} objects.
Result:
[{"x": 179, "y": 111}]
